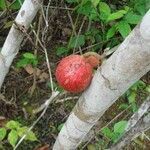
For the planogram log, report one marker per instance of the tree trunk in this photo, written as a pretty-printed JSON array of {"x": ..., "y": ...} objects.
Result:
[
  {"x": 126, "y": 66},
  {"x": 15, "y": 36}
]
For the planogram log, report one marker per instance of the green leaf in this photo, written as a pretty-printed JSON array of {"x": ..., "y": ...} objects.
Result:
[
  {"x": 141, "y": 85},
  {"x": 2, "y": 4},
  {"x": 34, "y": 62},
  {"x": 22, "y": 63},
  {"x": 117, "y": 15},
  {"x": 30, "y": 136},
  {"x": 119, "y": 127},
  {"x": 132, "y": 97},
  {"x": 2, "y": 133},
  {"x": 123, "y": 106},
  {"x": 140, "y": 8},
  {"x": 124, "y": 28},
  {"x": 104, "y": 8},
  {"x": 29, "y": 56},
  {"x": 95, "y": 2},
  {"x": 61, "y": 50},
  {"x": 111, "y": 32},
  {"x": 107, "y": 132},
  {"x": 88, "y": 10},
  {"x": 60, "y": 126},
  {"x": 17, "y": 4},
  {"x": 104, "y": 11},
  {"x": 134, "y": 107},
  {"x": 85, "y": 9},
  {"x": 115, "y": 137},
  {"x": 147, "y": 88},
  {"x": 13, "y": 137},
  {"x": 13, "y": 124},
  {"x": 77, "y": 41},
  {"x": 133, "y": 18}
]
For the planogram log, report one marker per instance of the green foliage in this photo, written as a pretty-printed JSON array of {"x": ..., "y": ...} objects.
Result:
[
  {"x": 30, "y": 136},
  {"x": 131, "y": 95},
  {"x": 117, "y": 132},
  {"x": 2, "y": 4},
  {"x": 124, "y": 28},
  {"x": 132, "y": 18},
  {"x": 15, "y": 5},
  {"x": 111, "y": 32},
  {"x": 13, "y": 137},
  {"x": 60, "y": 126},
  {"x": 95, "y": 2},
  {"x": 77, "y": 41},
  {"x": 13, "y": 130},
  {"x": 108, "y": 19},
  {"x": 116, "y": 15},
  {"x": 104, "y": 10},
  {"x": 88, "y": 9},
  {"x": 12, "y": 125},
  {"x": 61, "y": 51},
  {"x": 27, "y": 58},
  {"x": 2, "y": 133}
]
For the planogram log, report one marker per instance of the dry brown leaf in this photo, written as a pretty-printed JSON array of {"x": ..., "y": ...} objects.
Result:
[
  {"x": 29, "y": 69},
  {"x": 38, "y": 72},
  {"x": 43, "y": 77},
  {"x": 2, "y": 121}
]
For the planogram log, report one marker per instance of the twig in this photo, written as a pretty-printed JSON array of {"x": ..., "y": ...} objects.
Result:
[
  {"x": 66, "y": 99},
  {"x": 54, "y": 95},
  {"x": 47, "y": 59},
  {"x": 79, "y": 32},
  {"x": 39, "y": 109},
  {"x": 73, "y": 28}
]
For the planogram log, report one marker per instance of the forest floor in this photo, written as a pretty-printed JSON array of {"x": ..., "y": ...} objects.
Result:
[{"x": 24, "y": 90}]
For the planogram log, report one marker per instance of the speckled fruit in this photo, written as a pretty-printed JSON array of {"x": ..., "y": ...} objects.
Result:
[{"x": 74, "y": 73}]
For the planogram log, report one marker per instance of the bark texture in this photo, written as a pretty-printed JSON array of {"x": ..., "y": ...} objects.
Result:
[
  {"x": 126, "y": 66},
  {"x": 15, "y": 36}
]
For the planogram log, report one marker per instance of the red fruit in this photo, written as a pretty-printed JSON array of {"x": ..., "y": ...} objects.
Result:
[{"x": 74, "y": 73}]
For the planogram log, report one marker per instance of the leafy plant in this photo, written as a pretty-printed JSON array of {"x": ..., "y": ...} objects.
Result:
[
  {"x": 13, "y": 130},
  {"x": 27, "y": 58},
  {"x": 116, "y": 132},
  {"x": 132, "y": 93},
  {"x": 110, "y": 20},
  {"x": 15, "y": 5}
]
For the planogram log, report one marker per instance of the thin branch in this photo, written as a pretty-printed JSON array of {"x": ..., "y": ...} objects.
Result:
[
  {"x": 54, "y": 95},
  {"x": 47, "y": 60}
]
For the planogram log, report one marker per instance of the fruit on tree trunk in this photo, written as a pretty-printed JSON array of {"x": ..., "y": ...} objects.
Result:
[{"x": 74, "y": 72}]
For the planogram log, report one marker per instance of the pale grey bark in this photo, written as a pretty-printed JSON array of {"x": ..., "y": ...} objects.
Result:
[
  {"x": 15, "y": 36},
  {"x": 126, "y": 66}
]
